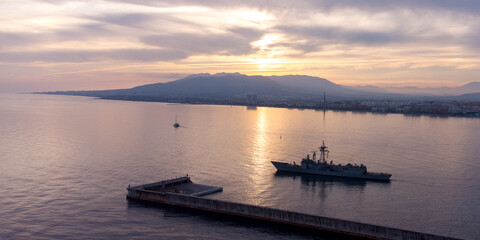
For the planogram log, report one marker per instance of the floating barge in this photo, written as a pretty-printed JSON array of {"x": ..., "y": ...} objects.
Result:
[{"x": 184, "y": 193}]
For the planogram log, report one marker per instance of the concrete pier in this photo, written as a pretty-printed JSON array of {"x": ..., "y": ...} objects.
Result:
[
  {"x": 182, "y": 185},
  {"x": 147, "y": 193}
]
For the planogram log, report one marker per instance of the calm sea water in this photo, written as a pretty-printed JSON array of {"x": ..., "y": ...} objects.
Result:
[{"x": 65, "y": 163}]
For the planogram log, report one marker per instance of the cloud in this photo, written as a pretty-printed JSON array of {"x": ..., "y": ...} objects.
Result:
[
  {"x": 139, "y": 19},
  {"x": 82, "y": 32},
  {"x": 405, "y": 30},
  {"x": 470, "y": 6},
  {"x": 145, "y": 55},
  {"x": 137, "y": 23},
  {"x": 77, "y": 33},
  {"x": 235, "y": 41},
  {"x": 9, "y": 40},
  {"x": 250, "y": 36},
  {"x": 316, "y": 36},
  {"x": 467, "y": 6},
  {"x": 473, "y": 40},
  {"x": 339, "y": 27},
  {"x": 128, "y": 19}
]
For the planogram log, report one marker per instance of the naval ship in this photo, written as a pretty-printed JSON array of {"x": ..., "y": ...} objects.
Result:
[{"x": 322, "y": 167}]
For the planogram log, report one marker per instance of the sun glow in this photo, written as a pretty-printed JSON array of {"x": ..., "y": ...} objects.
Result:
[
  {"x": 345, "y": 44},
  {"x": 265, "y": 42},
  {"x": 268, "y": 63}
]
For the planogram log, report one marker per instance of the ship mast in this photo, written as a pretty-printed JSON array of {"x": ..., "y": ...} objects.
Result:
[
  {"x": 324, "y": 102},
  {"x": 323, "y": 152}
]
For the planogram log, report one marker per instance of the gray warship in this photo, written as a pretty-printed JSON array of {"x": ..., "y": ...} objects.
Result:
[{"x": 322, "y": 167}]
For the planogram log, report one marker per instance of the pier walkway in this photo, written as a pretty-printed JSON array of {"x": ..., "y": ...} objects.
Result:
[{"x": 170, "y": 192}]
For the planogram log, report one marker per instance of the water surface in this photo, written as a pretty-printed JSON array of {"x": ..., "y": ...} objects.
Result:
[{"x": 65, "y": 163}]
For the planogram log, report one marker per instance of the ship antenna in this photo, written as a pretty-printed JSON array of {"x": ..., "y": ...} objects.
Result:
[{"x": 323, "y": 151}]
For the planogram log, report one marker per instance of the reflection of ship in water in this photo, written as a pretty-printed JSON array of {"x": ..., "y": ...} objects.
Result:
[
  {"x": 324, "y": 186},
  {"x": 310, "y": 179},
  {"x": 322, "y": 167}
]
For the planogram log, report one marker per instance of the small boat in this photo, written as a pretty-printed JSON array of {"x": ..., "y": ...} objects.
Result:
[
  {"x": 322, "y": 167},
  {"x": 176, "y": 124}
]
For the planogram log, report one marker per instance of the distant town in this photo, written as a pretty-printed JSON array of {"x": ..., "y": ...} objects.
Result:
[{"x": 433, "y": 108}]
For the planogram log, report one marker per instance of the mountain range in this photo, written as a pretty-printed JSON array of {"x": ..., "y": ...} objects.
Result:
[
  {"x": 236, "y": 85},
  {"x": 472, "y": 87}
]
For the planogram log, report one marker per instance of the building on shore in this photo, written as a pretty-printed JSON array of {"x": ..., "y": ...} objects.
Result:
[{"x": 251, "y": 100}]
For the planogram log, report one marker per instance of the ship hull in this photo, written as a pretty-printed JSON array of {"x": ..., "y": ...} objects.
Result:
[{"x": 298, "y": 169}]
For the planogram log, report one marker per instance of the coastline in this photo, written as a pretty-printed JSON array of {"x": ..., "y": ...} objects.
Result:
[
  {"x": 292, "y": 105},
  {"x": 407, "y": 108}
]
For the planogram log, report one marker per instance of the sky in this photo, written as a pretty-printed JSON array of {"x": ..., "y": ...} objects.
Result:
[{"x": 48, "y": 45}]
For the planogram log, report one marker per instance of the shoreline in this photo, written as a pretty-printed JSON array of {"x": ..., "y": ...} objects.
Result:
[
  {"x": 301, "y": 105},
  {"x": 252, "y": 107}
]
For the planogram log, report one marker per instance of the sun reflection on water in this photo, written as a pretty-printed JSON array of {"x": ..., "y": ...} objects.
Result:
[
  {"x": 260, "y": 137},
  {"x": 259, "y": 175}
]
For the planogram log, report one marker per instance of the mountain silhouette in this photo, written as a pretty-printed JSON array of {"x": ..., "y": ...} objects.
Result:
[
  {"x": 215, "y": 86},
  {"x": 237, "y": 86}
]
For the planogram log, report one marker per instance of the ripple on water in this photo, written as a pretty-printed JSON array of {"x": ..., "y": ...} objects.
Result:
[{"x": 65, "y": 163}]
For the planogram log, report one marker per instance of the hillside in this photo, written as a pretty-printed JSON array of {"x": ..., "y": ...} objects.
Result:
[
  {"x": 237, "y": 86},
  {"x": 472, "y": 87},
  {"x": 215, "y": 86}
]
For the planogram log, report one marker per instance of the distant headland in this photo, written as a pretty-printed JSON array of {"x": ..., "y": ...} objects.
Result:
[{"x": 299, "y": 91}]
